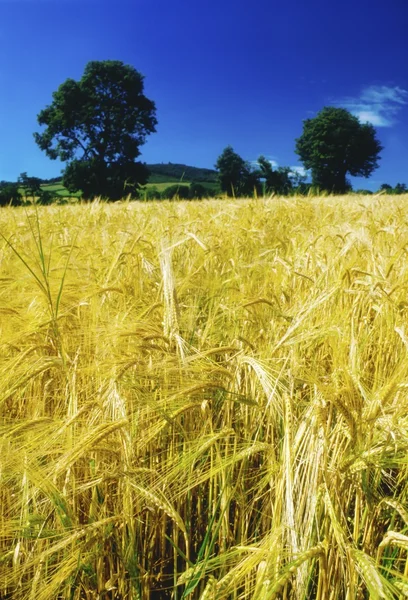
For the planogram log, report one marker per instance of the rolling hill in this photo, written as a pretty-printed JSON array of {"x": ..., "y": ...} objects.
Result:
[
  {"x": 164, "y": 172},
  {"x": 162, "y": 175}
]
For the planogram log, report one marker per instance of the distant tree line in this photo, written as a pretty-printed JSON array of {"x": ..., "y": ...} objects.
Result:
[
  {"x": 98, "y": 124},
  {"x": 27, "y": 189},
  {"x": 400, "y": 188},
  {"x": 333, "y": 145},
  {"x": 30, "y": 190},
  {"x": 239, "y": 178},
  {"x": 193, "y": 191}
]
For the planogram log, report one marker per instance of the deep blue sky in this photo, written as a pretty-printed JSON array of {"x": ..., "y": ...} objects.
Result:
[{"x": 237, "y": 72}]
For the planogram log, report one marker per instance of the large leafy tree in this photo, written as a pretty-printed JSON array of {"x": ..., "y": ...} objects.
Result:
[
  {"x": 335, "y": 144},
  {"x": 235, "y": 176},
  {"x": 97, "y": 125}
]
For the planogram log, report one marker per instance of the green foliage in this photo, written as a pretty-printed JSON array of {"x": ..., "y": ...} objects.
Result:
[
  {"x": 9, "y": 194},
  {"x": 33, "y": 188},
  {"x": 113, "y": 181},
  {"x": 46, "y": 197},
  {"x": 150, "y": 193},
  {"x": 364, "y": 192},
  {"x": 31, "y": 185},
  {"x": 176, "y": 191},
  {"x": 179, "y": 172},
  {"x": 197, "y": 190},
  {"x": 335, "y": 144},
  {"x": 58, "y": 190},
  {"x": 278, "y": 181},
  {"x": 52, "y": 180},
  {"x": 304, "y": 189},
  {"x": 193, "y": 191},
  {"x": 400, "y": 188},
  {"x": 97, "y": 125},
  {"x": 235, "y": 176},
  {"x": 299, "y": 184},
  {"x": 158, "y": 178}
]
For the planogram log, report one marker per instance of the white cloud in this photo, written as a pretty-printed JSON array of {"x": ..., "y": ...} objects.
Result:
[
  {"x": 377, "y": 104},
  {"x": 370, "y": 116},
  {"x": 382, "y": 93},
  {"x": 300, "y": 171}
]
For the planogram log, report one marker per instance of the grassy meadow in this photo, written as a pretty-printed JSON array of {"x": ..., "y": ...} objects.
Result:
[{"x": 205, "y": 400}]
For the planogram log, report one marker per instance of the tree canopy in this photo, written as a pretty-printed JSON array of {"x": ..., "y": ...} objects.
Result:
[
  {"x": 97, "y": 125},
  {"x": 335, "y": 144},
  {"x": 30, "y": 185},
  {"x": 235, "y": 176},
  {"x": 276, "y": 181},
  {"x": 9, "y": 194},
  {"x": 400, "y": 188}
]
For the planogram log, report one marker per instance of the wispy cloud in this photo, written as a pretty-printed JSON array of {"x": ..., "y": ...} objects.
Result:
[{"x": 377, "y": 104}]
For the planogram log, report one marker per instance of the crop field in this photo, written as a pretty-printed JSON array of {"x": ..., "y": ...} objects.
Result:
[{"x": 205, "y": 400}]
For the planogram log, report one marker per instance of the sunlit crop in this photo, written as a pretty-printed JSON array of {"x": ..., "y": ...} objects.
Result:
[{"x": 205, "y": 400}]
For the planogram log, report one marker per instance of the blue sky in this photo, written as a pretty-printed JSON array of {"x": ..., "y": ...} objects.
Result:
[{"x": 221, "y": 72}]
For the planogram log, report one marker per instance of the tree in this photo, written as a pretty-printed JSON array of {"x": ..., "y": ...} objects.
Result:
[
  {"x": 363, "y": 192},
  {"x": 278, "y": 181},
  {"x": 46, "y": 197},
  {"x": 30, "y": 185},
  {"x": 176, "y": 191},
  {"x": 9, "y": 194},
  {"x": 97, "y": 125},
  {"x": 235, "y": 176},
  {"x": 150, "y": 193},
  {"x": 335, "y": 144},
  {"x": 400, "y": 188},
  {"x": 197, "y": 190},
  {"x": 298, "y": 180}
]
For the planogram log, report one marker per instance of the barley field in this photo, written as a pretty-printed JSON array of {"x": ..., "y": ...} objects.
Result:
[{"x": 205, "y": 400}]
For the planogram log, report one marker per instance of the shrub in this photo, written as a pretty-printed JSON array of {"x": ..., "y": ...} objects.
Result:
[
  {"x": 151, "y": 193},
  {"x": 176, "y": 191},
  {"x": 198, "y": 191},
  {"x": 9, "y": 194}
]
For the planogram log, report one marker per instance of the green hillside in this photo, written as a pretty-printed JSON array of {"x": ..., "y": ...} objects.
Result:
[
  {"x": 161, "y": 185},
  {"x": 58, "y": 189},
  {"x": 178, "y": 172},
  {"x": 162, "y": 175}
]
